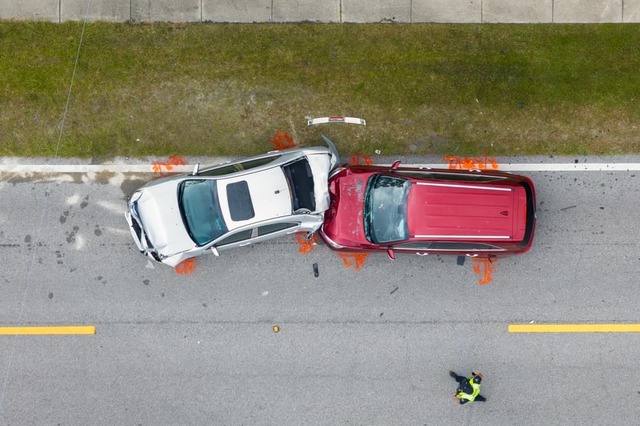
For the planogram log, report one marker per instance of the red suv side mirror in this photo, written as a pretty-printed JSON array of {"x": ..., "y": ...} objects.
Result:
[{"x": 390, "y": 254}]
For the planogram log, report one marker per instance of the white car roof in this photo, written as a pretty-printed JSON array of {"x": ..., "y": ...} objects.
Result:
[{"x": 269, "y": 192}]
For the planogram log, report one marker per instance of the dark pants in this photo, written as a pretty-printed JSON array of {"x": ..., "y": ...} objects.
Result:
[
  {"x": 460, "y": 379},
  {"x": 463, "y": 382}
]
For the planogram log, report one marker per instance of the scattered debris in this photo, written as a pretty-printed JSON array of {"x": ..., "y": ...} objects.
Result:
[
  {"x": 484, "y": 269},
  {"x": 316, "y": 273},
  {"x": 283, "y": 140},
  {"x": 336, "y": 119},
  {"x": 355, "y": 260}
]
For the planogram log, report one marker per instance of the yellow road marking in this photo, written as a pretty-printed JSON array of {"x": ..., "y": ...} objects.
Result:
[
  {"x": 79, "y": 329},
  {"x": 574, "y": 328}
]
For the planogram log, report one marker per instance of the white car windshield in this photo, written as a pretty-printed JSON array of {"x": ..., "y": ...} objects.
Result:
[{"x": 200, "y": 210}]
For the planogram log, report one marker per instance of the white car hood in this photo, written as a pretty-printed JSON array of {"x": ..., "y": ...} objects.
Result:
[{"x": 161, "y": 219}]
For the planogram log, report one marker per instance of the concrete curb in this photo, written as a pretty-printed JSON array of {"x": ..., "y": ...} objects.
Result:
[{"x": 341, "y": 11}]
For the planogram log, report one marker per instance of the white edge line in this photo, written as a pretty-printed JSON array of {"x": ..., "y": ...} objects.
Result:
[
  {"x": 551, "y": 167},
  {"x": 149, "y": 168}
]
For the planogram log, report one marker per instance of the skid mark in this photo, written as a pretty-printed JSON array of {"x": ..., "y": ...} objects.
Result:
[
  {"x": 117, "y": 208},
  {"x": 282, "y": 140},
  {"x": 80, "y": 242},
  {"x": 483, "y": 268},
  {"x": 468, "y": 163},
  {"x": 186, "y": 267},
  {"x": 73, "y": 200},
  {"x": 354, "y": 260},
  {"x": 358, "y": 158},
  {"x": 305, "y": 245},
  {"x": 165, "y": 168}
]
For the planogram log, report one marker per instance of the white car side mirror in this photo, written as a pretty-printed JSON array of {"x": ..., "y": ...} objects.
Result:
[{"x": 215, "y": 251}]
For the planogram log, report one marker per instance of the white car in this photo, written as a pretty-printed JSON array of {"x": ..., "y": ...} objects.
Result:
[{"x": 232, "y": 204}]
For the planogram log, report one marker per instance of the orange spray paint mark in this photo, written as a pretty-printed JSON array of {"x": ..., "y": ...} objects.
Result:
[
  {"x": 483, "y": 268},
  {"x": 165, "y": 168},
  {"x": 468, "y": 163},
  {"x": 283, "y": 140},
  {"x": 305, "y": 244},
  {"x": 186, "y": 267},
  {"x": 360, "y": 159},
  {"x": 355, "y": 260}
]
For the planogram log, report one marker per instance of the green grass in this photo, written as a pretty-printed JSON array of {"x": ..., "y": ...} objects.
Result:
[{"x": 206, "y": 89}]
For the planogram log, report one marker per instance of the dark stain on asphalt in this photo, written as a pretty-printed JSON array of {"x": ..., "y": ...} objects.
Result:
[
  {"x": 64, "y": 216},
  {"x": 130, "y": 186},
  {"x": 146, "y": 282},
  {"x": 85, "y": 202},
  {"x": 104, "y": 177},
  {"x": 50, "y": 295},
  {"x": 27, "y": 239},
  {"x": 97, "y": 231},
  {"x": 71, "y": 236}
]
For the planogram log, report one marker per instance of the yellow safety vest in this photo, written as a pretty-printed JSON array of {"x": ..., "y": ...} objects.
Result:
[{"x": 472, "y": 397}]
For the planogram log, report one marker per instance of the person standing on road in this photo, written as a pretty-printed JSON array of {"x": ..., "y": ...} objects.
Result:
[{"x": 468, "y": 388}]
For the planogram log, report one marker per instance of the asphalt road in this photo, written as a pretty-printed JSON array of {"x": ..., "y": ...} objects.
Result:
[{"x": 368, "y": 345}]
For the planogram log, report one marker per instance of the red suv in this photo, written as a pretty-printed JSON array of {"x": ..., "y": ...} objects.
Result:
[{"x": 423, "y": 211}]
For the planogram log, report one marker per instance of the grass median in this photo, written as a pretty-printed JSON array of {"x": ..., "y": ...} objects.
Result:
[{"x": 214, "y": 89}]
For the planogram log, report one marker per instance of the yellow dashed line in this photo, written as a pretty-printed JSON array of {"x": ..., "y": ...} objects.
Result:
[
  {"x": 574, "y": 328},
  {"x": 80, "y": 329}
]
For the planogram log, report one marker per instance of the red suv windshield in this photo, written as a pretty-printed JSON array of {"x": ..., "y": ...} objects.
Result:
[{"x": 385, "y": 209}]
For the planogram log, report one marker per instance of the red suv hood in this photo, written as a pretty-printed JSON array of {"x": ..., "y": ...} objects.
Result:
[{"x": 343, "y": 222}]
